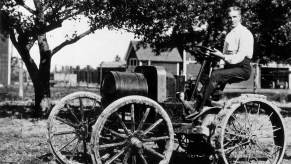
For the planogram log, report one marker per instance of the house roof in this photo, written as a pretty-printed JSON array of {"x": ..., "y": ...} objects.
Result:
[
  {"x": 113, "y": 64},
  {"x": 146, "y": 53}
]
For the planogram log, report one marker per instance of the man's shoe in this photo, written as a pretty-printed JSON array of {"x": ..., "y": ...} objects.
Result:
[{"x": 190, "y": 107}]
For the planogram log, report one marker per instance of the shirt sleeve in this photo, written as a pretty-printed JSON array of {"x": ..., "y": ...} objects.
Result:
[{"x": 246, "y": 46}]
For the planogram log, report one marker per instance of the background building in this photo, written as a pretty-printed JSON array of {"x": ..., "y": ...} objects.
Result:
[{"x": 143, "y": 55}]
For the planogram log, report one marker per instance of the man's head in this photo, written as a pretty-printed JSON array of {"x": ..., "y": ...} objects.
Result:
[{"x": 234, "y": 16}]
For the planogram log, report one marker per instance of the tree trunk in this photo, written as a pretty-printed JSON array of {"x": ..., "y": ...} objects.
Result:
[
  {"x": 42, "y": 95},
  {"x": 40, "y": 76},
  {"x": 42, "y": 83}
]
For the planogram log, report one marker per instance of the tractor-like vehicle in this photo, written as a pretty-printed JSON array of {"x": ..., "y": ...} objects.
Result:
[{"x": 141, "y": 118}]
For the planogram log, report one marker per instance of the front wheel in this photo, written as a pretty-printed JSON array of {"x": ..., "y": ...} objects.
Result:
[
  {"x": 252, "y": 131},
  {"x": 70, "y": 126},
  {"x": 133, "y": 130}
]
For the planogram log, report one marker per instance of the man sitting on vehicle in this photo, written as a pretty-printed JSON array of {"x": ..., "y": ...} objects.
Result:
[{"x": 237, "y": 53}]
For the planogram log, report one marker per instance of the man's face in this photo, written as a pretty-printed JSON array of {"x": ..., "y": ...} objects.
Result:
[{"x": 234, "y": 18}]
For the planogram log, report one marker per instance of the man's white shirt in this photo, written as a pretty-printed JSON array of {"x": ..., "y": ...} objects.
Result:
[{"x": 239, "y": 43}]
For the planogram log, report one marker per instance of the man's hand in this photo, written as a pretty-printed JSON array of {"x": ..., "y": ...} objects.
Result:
[{"x": 218, "y": 53}]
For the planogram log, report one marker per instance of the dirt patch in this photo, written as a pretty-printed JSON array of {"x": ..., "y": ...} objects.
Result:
[{"x": 24, "y": 141}]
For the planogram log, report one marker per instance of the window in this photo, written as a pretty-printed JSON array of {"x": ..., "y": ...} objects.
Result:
[{"x": 133, "y": 61}]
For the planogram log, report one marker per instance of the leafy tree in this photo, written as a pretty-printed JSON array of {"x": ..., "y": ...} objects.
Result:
[
  {"x": 271, "y": 25},
  {"x": 28, "y": 22},
  {"x": 184, "y": 23}
]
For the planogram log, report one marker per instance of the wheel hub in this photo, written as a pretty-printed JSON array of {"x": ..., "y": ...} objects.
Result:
[
  {"x": 82, "y": 130},
  {"x": 136, "y": 143},
  {"x": 253, "y": 139}
]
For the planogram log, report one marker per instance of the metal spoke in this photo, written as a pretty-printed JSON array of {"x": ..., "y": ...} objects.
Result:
[
  {"x": 66, "y": 122},
  {"x": 64, "y": 133},
  {"x": 116, "y": 155},
  {"x": 132, "y": 119},
  {"x": 235, "y": 128},
  {"x": 82, "y": 109},
  {"x": 73, "y": 114},
  {"x": 115, "y": 133},
  {"x": 73, "y": 139},
  {"x": 152, "y": 139},
  {"x": 258, "y": 113},
  {"x": 152, "y": 126},
  {"x": 237, "y": 121},
  {"x": 244, "y": 136},
  {"x": 231, "y": 148},
  {"x": 125, "y": 159},
  {"x": 267, "y": 128},
  {"x": 241, "y": 154},
  {"x": 247, "y": 117},
  {"x": 142, "y": 157},
  {"x": 143, "y": 120},
  {"x": 112, "y": 145},
  {"x": 152, "y": 151},
  {"x": 122, "y": 124},
  {"x": 265, "y": 153},
  {"x": 74, "y": 150},
  {"x": 92, "y": 109},
  {"x": 271, "y": 144},
  {"x": 229, "y": 141},
  {"x": 133, "y": 158},
  {"x": 85, "y": 148}
]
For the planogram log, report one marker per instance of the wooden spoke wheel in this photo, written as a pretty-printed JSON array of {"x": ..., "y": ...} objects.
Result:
[
  {"x": 252, "y": 132},
  {"x": 70, "y": 126},
  {"x": 133, "y": 130}
]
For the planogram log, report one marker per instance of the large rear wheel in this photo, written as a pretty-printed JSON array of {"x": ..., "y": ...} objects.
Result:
[{"x": 133, "y": 130}]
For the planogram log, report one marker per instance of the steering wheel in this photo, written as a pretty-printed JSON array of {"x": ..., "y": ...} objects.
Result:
[{"x": 205, "y": 48}]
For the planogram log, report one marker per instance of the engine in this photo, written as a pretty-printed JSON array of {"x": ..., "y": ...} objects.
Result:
[{"x": 150, "y": 81}]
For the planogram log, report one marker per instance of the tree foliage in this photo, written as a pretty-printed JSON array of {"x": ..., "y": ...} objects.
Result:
[
  {"x": 184, "y": 23},
  {"x": 27, "y": 22}
]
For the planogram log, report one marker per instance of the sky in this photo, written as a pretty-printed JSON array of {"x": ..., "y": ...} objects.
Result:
[
  {"x": 101, "y": 46},
  {"x": 95, "y": 48}
]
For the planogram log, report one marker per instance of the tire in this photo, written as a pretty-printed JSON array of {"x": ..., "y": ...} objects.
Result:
[
  {"x": 133, "y": 130},
  {"x": 250, "y": 130},
  {"x": 70, "y": 127}
]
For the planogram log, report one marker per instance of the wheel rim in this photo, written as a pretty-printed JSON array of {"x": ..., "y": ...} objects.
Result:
[
  {"x": 253, "y": 133},
  {"x": 70, "y": 127},
  {"x": 130, "y": 130}
]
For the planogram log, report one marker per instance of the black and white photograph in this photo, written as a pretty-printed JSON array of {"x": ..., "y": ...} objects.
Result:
[{"x": 145, "y": 82}]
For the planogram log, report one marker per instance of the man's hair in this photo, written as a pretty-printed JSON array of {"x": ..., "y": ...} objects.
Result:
[{"x": 234, "y": 8}]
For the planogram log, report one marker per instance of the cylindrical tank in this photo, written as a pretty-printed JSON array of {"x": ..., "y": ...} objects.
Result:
[{"x": 119, "y": 84}]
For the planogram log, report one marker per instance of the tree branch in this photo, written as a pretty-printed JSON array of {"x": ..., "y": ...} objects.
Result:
[
  {"x": 28, "y": 8},
  {"x": 21, "y": 3},
  {"x": 71, "y": 41},
  {"x": 71, "y": 15}
]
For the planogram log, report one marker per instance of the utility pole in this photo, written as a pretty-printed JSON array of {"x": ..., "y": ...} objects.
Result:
[
  {"x": 20, "y": 78},
  {"x": 101, "y": 73}
]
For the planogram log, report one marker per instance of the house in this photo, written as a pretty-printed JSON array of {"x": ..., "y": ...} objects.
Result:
[{"x": 143, "y": 55}]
